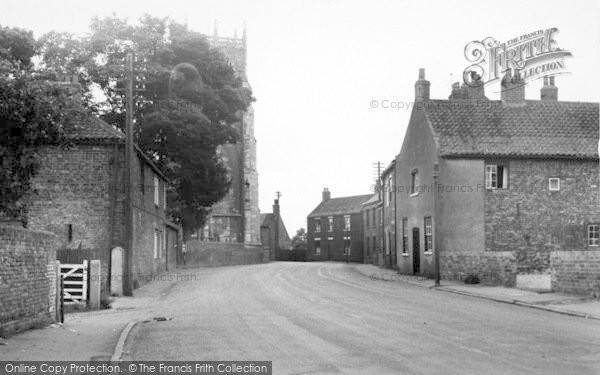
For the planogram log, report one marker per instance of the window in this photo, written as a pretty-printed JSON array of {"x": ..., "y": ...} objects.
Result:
[
  {"x": 405, "y": 236},
  {"x": 496, "y": 176},
  {"x": 346, "y": 222},
  {"x": 414, "y": 181},
  {"x": 554, "y": 184},
  {"x": 317, "y": 246},
  {"x": 390, "y": 195},
  {"x": 428, "y": 236},
  {"x": 70, "y": 232},
  {"x": 164, "y": 196},
  {"x": 156, "y": 191},
  {"x": 594, "y": 235},
  {"x": 368, "y": 246},
  {"x": 158, "y": 243},
  {"x": 330, "y": 223},
  {"x": 317, "y": 225}
]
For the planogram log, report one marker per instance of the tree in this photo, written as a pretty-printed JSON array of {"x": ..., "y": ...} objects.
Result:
[
  {"x": 299, "y": 238},
  {"x": 33, "y": 113},
  {"x": 191, "y": 100}
]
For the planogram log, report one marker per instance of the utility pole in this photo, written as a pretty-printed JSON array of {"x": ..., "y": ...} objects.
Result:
[{"x": 129, "y": 228}]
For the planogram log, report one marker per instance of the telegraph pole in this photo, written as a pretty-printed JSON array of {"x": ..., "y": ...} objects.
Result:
[{"x": 128, "y": 274}]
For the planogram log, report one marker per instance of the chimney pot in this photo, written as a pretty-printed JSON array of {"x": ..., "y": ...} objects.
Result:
[
  {"x": 549, "y": 91},
  {"x": 512, "y": 88},
  {"x": 326, "y": 195},
  {"x": 422, "y": 87}
]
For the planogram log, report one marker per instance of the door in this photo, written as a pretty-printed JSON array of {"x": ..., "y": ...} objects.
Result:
[{"x": 416, "y": 252}]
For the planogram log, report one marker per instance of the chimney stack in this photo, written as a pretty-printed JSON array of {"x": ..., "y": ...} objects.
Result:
[
  {"x": 549, "y": 91},
  {"x": 276, "y": 208},
  {"x": 512, "y": 88},
  {"x": 70, "y": 82},
  {"x": 422, "y": 87},
  {"x": 326, "y": 195}
]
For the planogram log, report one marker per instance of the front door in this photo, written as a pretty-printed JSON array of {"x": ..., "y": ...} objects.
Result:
[{"x": 416, "y": 252}]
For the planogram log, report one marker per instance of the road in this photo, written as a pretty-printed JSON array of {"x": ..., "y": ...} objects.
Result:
[{"x": 327, "y": 318}]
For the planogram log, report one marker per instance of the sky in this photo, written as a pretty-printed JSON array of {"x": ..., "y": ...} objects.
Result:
[{"x": 316, "y": 67}]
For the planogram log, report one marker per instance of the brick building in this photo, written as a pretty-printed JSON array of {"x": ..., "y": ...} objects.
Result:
[
  {"x": 388, "y": 214},
  {"x": 236, "y": 218},
  {"x": 372, "y": 230},
  {"x": 505, "y": 189},
  {"x": 274, "y": 235},
  {"x": 80, "y": 195},
  {"x": 334, "y": 229}
]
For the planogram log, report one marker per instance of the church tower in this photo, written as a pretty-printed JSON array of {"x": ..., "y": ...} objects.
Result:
[{"x": 236, "y": 218}]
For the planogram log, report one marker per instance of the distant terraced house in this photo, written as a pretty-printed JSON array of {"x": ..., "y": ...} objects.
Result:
[
  {"x": 335, "y": 228},
  {"x": 507, "y": 189}
]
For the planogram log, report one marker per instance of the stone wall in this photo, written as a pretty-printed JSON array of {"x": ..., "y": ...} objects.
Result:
[
  {"x": 215, "y": 254},
  {"x": 576, "y": 272},
  {"x": 28, "y": 280},
  {"x": 492, "y": 268}
]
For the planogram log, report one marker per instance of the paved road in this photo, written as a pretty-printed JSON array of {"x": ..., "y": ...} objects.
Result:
[{"x": 326, "y": 318}]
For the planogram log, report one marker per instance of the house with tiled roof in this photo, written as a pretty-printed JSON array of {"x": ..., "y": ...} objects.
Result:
[
  {"x": 334, "y": 228},
  {"x": 372, "y": 230},
  {"x": 274, "y": 236},
  {"x": 80, "y": 194},
  {"x": 506, "y": 189}
]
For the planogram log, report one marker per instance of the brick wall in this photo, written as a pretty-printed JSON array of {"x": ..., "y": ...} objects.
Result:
[
  {"x": 215, "y": 254},
  {"x": 27, "y": 279},
  {"x": 576, "y": 272}
]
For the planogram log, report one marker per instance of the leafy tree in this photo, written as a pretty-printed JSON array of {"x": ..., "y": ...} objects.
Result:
[
  {"x": 33, "y": 113},
  {"x": 190, "y": 102},
  {"x": 299, "y": 238}
]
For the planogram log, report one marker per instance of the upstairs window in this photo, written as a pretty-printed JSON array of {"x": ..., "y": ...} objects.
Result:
[
  {"x": 346, "y": 222},
  {"x": 496, "y": 176},
  {"x": 554, "y": 184},
  {"x": 317, "y": 225},
  {"x": 594, "y": 235},
  {"x": 390, "y": 187},
  {"x": 330, "y": 223},
  {"x": 414, "y": 181}
]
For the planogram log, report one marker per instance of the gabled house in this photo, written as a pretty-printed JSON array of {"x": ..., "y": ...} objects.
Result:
[
  {"x": 274, "y": 235},
  {"x": 506, "y": 189},
  {"x": 80, "y": 195},
  {"x": 334, "y": 229}
]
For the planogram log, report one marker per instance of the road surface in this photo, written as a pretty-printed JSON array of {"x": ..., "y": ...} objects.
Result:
[{"x": 327, "y": 318}]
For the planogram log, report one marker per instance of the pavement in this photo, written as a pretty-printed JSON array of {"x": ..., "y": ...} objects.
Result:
[
  {"x": 85, "y": 336},
  {"x": 330, "y": 318},
  {"x": 568, "y": 304}
]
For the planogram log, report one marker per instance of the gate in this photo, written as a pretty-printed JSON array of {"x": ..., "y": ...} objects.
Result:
[{"x": 75, "y": 281}]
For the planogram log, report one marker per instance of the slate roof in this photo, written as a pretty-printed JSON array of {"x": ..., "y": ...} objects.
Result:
[
  {"x": 373, "y": 200},
  {"x": 340, "y": 206},
  {"x": 465, "y": 128}
]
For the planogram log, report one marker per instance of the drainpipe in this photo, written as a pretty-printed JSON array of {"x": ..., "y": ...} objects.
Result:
[{"x": 435, "y": 221}]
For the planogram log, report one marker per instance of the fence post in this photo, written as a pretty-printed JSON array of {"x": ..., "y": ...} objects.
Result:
[
  {"x": 62, "y": 299},
  {"x": 95, "y": 284},
  {"x": 59, "y": 292}
]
